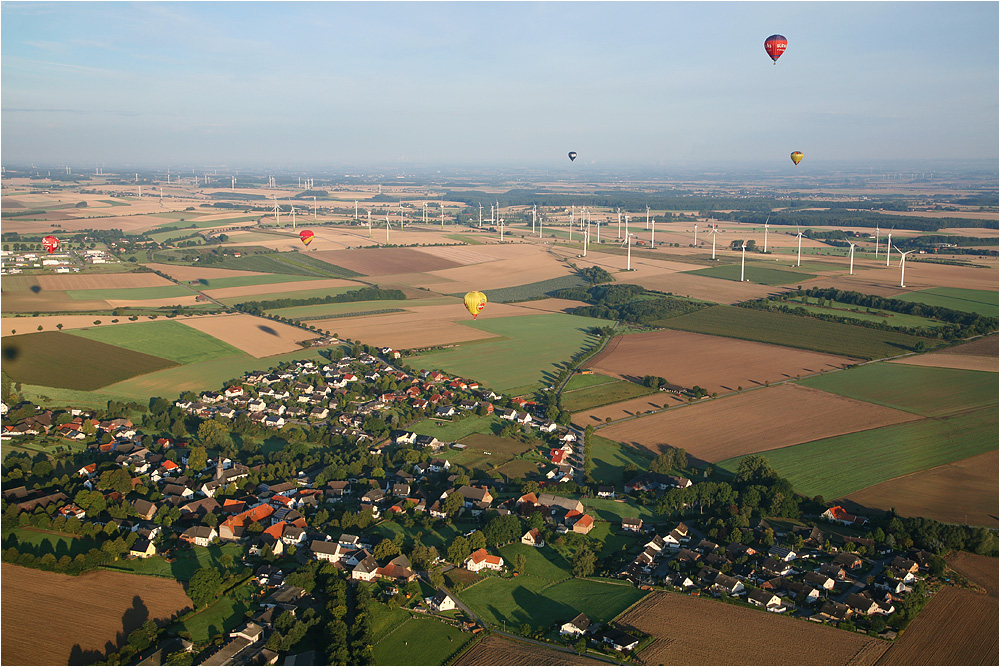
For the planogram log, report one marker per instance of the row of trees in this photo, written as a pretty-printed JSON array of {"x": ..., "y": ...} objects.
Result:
[{"x": 373, "y": 293}]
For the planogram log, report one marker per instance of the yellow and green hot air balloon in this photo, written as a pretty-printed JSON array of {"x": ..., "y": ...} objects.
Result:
[
  {"x": 797, "y": 157},
  {"x": 475, "y": 302}
]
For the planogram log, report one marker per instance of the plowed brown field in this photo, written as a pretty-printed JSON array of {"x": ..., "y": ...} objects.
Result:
[
  {"x": 71, "y": 281},
  {"x": 495, "y": 650},
  {"x": 931, "y": 493},
  {"x": 980, "y": 569},
  {"x": 717, "y": 364},
  {"x": 978, "y": 355},
  {"x": 24, "y": 325},
  {"x": 384, "y": 261},
  {"x": 923, "y": 275},
  {"x": 708, "y": 632},
  {"x": 49, "y": 617},
  {"x": 277, "y": 288},
  {"x": 254, "y": 335},
  {"x": 754, "y": 421}
]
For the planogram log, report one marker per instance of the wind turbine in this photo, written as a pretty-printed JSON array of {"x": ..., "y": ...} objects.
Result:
[
  {"x": 876, "y": 240},
  {"x": 798, "y": 262},
  {"x": 652, "y": 232},
  {"x": 902, "y": 263},
  {"x": 765, "y": 234},
  {"x": 696, "y": 235},
  {"x": 647, "y": 216},
  {"x": 888, "y": 245},
  {"x": 534, "y": 216},
  {"x": 586, "y": 237},
  {"x": 502, "y": 225},
  {"x": 619, "y": 223},
  {"x": 715, "y": 230},
  {"x": 355, "y": 210},
  {"x": 481, "y": 217},
  {"x": 852, "y": 259},
  {"x": 369, "y": 223},
  {"x": 387, "y": 229},
  {"x": 400, "y": 214},
  {"x": 628, "y": 244},
  {"x": 277, "y": 215},
  {"x": 442, "y": 215},
  {"x": 233, "y": 186},
  {"x": 743, "y": 261},
  {"x": 293, "y": 217},
  {"x": 572, "y": 214}
]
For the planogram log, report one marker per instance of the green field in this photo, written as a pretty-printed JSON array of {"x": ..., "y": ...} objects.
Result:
[
  {"x": 542, "y": 563},
  {"x": 613, "y": 511},
  {"x": 485, "y": 452},
  {"x": 604, "y": 394},
  {"x": 167, "y": 339},
  {"x": 254, "y": 279},
  {"x": 294, "y": 294},
  {"x": 531, "y": 345},
  {"x": 198, "y": 224},
  {"x": 536, "y": 290},
  {"x": 580, "y": 381},
  {"x": 540, "y": 603},
  {"x": 610, "y": 457},
  {"x": 295, "y": 263},
  {"x": 228, "y": 612},
  {"x": 420, "y": 641},
  {"x": 835, "y": 467},
  {"x": 793, "y": 331},
  {"x": 57, "y": 359},
  {"x": 923, "y": 390},
  {"x": 161, "y": 292},
  {"x": 332, "y": 309},
  {"x": 453, "y": 431},
  {"x": 754, "y": 273},
  {"x": 41, "y": 542},
  {"x": 846, "y": 310},
  {"x": 980, "y": 302},
  {"x": 439, "y": 538}
]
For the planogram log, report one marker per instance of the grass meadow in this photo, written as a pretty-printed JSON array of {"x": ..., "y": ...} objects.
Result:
[
  {"x": 453, "y": 431},
  {"x": 923, "y": 390},
  {"x": 835, "y": 467},
  {"x": 611, "y": 457},
  {"x": 420, "y": 641},
  {"x": 603, "y": 394},
  {"x": 613, "y": 511},
  {"x": 40, "y": 542},
  {"x": 226, "y": 613},
  {"x": 322, "y": 310},
  {"x": 245, "y": 281},
  {"x": 167, "y": 339},
  {"x": 186, "y": 563},
  {"x": 793, "y": 331},
  {"x": 581, "y": 381},
  {"x": 292, "y": 263},
  {"x": 846, "y": 310},
  {"x": 755, "y": 273},
  {"x": 530, "y": 346},
  {"x": 981, "y": 302}
]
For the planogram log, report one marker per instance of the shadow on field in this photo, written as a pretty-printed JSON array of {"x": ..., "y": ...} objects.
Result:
[{"x": 132, "y": 620}]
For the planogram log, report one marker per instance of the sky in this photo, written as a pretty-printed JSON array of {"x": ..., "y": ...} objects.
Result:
[{"x": 496, "y": 83}]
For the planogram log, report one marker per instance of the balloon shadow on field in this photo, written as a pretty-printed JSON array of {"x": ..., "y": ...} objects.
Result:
[{"x": 267, "y": 329}]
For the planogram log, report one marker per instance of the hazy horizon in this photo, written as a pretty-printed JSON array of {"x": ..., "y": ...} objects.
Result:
[{"x": 424, "y": 85}]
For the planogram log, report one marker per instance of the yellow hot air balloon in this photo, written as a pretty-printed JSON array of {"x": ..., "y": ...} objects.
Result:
[
  {"x": 475, "y": 302},
  {"x": 797, "y": 157}
]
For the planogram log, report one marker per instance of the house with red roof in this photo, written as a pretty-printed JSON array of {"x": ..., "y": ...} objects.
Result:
[
  {"x": 838, "y": 514},
  {"x": 584, "y": 524},
  {"x": 480, "y": 560}
]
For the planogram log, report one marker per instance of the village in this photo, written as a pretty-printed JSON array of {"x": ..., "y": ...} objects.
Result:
[{"x": 149, "y": 497}]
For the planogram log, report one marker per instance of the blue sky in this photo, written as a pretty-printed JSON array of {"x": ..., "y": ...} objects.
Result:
[{"x": 511, "y": 83}]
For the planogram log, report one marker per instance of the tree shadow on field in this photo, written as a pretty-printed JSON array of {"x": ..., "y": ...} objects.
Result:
[{"x": 132, "y": 620}]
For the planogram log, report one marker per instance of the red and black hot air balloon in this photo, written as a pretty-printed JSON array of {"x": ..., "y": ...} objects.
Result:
[
  {"x": 50, "y": 243},
  {"x": 775, "y": 45}
]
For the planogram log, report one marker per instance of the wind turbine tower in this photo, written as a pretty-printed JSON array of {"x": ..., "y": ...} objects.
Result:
[
  {"x": 743, "y": 261},
  {"x": 314, "y": 208},
  {"x": 715, "y": 230},
  {"x": 888, "y": 245},
  {"x": 355, "y": 210},
  {"x": 852, "y": 259},
  {"x": 534, "y": 216},
  {"x": 293, "y": 217},
  {"x": 387, "y": 229},
  {"x": 765, "y": 236},
  {"x": 277, "y": 216},
  {"x": 902, "y": 263},
  {"x": 876, "y": 240},
  {"x": 647, "y": 216},
  {"x": 696, "y": 235},
  {"x": 369, "y": 223},
  {"x": 480, "y": 215},
  {"x": 233, "y": 185},
  {"x": 442, "y": 215},
  {"x": 798, "y": 262}
]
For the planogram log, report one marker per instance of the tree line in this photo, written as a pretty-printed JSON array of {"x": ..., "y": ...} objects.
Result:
[{"x": 373, "y": 293}]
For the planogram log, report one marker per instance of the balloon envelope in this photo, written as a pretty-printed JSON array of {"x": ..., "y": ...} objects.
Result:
[
  {"x": 572, "y": 155},
  {"x": 50, "y": 243},
  {"x": 797, "y": 157},
  {"x": 775, "y": 45},
  {"x": 475, "y": 302},
  {"x": 306, "y": 236}
]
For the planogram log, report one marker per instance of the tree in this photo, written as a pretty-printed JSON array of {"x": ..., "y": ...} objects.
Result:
[
  {"x": 204, "y": 586},
  {"x": 436, "y": 578},
  {"x": 198, "y": 457},
  {"x": 214, "y": 434},
  {"x": 477, "y": 540},
  {"x": 453, "y": 503},
  {"x": 385, "y": 549},
  {"x": 519, "y": 563},
  {"x": 584, "y": 562},
  {"x": 118, "y": 480},
  {"x": 663, "y": 463},
  {"x": 459, "y": 550}
]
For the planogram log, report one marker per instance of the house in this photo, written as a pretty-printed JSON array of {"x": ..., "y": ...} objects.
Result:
[
  {"x": 142, "y": 549},
  {"x": 366, "y": 569},
  {"x": 819, "y": 580},
  {"x": 728, "y": 585},
  {"x": 533, "y": 538},
  {"x": 838, "y": 514},
  {"x": 848, "y": 561},
  {"x": 475, "y": 494},
  {"x": 862, "y": 605},
  {"x": 337, "y": 490},
  {"x": 553, "y": 501},
  {"x": 618, "y": 640},
  {"x": 834, "y": 611},
  {"x": 584, "y": 524},
  {"x": 440, "y": 602},
  {"x": 832, "y": 571},
  {"x": 781, "y": 553},
  {"x": 577, "y": 627},
  {"x": 480, "y": 559},
  {"x": 328, "y": 551},
  {"x": 761, "y": 598},
  {"x": 632, "y": 525},
  {"x": 200, "y": 536},
  {"x": 444, "y": 411}
]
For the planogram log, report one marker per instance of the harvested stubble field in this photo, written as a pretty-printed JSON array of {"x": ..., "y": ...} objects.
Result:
[
  {"x": 183, "y": 272},
  {"x": 931, "y": 493},
  {"x": 51, "y": 301},
  {"x": 701, "y": 287},
  {"x": 494, "y": 650},
  {"x": 385, "y": 261},
  {"x": 957, "y": 627},
  {"x": 981, "y": 570},
  {"x": 520, "y": 264},
  {"x": 978, "y": 355},
  {"x": 101, "y": 281},
  {"x": 718, "y": 365},
  {"x": 265, "y": 291},
  {"x": 422, "y": 326},
  {"x": 871, "y": 282},
  {"x": 754, "y": 421},
  {"x": 93, "y": 613},
  {"x": 708, "y": 632},
  {"x": 254, "y": 335},
  {"x": 924, "y": 275},
  {"x": 553, "y": 305}
]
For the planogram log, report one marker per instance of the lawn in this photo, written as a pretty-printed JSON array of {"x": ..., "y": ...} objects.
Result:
[
  {"x": 57, "y": 359},
  {"x": 485, "y": 452},
  {"x": 41, "y": 542},
  {"x": 754, "y": 273},
  {"x": 542, "y": 604},
  {"x": 543, "y": 563},
  {"x": 861, "y": 313},
  {"x": 529, "y": 352},
  {"x": 139, "y": 293},
  {"x": 581, "y": 381},
  {"x": 439, "y": 538},
  {"x": 613, "y": 511},
  {"x": 228, "y": 612},
  {"x": 793, "y": 331},
  {"x": 167, "y": 339},
  {"x": 610, "y": 457},
  {"x": 186, "y": 563},
  {"x": 420, "y": 641},
  {"x": 604, "y": 394},
  {"x": 981, "y": 302},
  {"x": 838, "y": 466},
  {"x": 536, "y": 290},
  {"x": 453, "y": 431},
  {"x": 923, "y": 390}
]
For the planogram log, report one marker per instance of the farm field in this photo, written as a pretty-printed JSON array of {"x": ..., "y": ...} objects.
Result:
[
  {"x": 523, "y": 264},
  {"x": 100, "y": 281},
  {"x": 256, "y": 280},
  {"x": 535, "y": 343},
  {"x": 584, "y": 399},
  {"x": 420, "y": 641},
  {"x": 981, "y": 302},
  {"x": 485, "y": 452},
  {"x": 58, "y": 359},
  {"x": 765, "y": 419},
  {"x": 542, "y": 563},
  {"x": 552, "y": 305},
  {"x": 624, "y": 409},
  {"x": 931, "y": 493},
  {"x": 922, "y": 390},
  {"x": 185, "y": 565},
  {"x": 385, "y": 261},
  {"x": 221, "y": 616},
  {"x": 439, "y": 537},
  {"x": 965, "y": 362},
  {"x": 582, "y": 381},
  {"x": 47, "y": 302},
  {"x": 254, "y": 335},
  {"x": 702, "y": 288},
  {"x": 718, "y": 365},
  {"x": 338, "y": 309},
  {"x": 183, "y": 272},
  {"x": 41, "y": 542},
  {"x": 301, "y": 290},
  {"x": 497, "y": 650},
  {"x": 708, "y": 632},
  {"x": 130, "y": 294},
  {"x": 541, "y": 603},
  {"x": 535, "y": 290},
  {"x": 168, "y": 339},
  {"x": 846, "y": 310},
  {"x": 286, "y": 263},
  {"x": 792, "y": 331},
  {"x": 829, "y": 467},
  {"x": 88, "y": 623},
  {"x": 927, "y": 275},
  {"x": 754, "y": 272},
  {"x": 957, "y": 627},
  {"x": 981, "y": 570}
]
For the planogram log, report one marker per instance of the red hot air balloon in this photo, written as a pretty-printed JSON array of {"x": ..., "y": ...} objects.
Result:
[
  {"x": 306, "y": 236},
  {"x": 50, "y": 243},
  {"x": 775, "y": 45}
]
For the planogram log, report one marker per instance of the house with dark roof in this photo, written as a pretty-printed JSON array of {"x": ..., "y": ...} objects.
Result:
[{"x": 577, "y": 627}]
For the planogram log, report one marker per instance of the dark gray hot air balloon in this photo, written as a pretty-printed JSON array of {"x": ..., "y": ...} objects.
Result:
[{"x": 572, "y": 155}]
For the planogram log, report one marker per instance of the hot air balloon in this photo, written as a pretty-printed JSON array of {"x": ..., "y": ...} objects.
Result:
[
  {"x": 306, "y": 236},
  {"x": 775, "y": 45},
  {"x": 50, "y": 243},
  {"x": 572, "y": 155},
  {"x": 475, "y": 302},
  {"x": 797, "y": 157}
]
